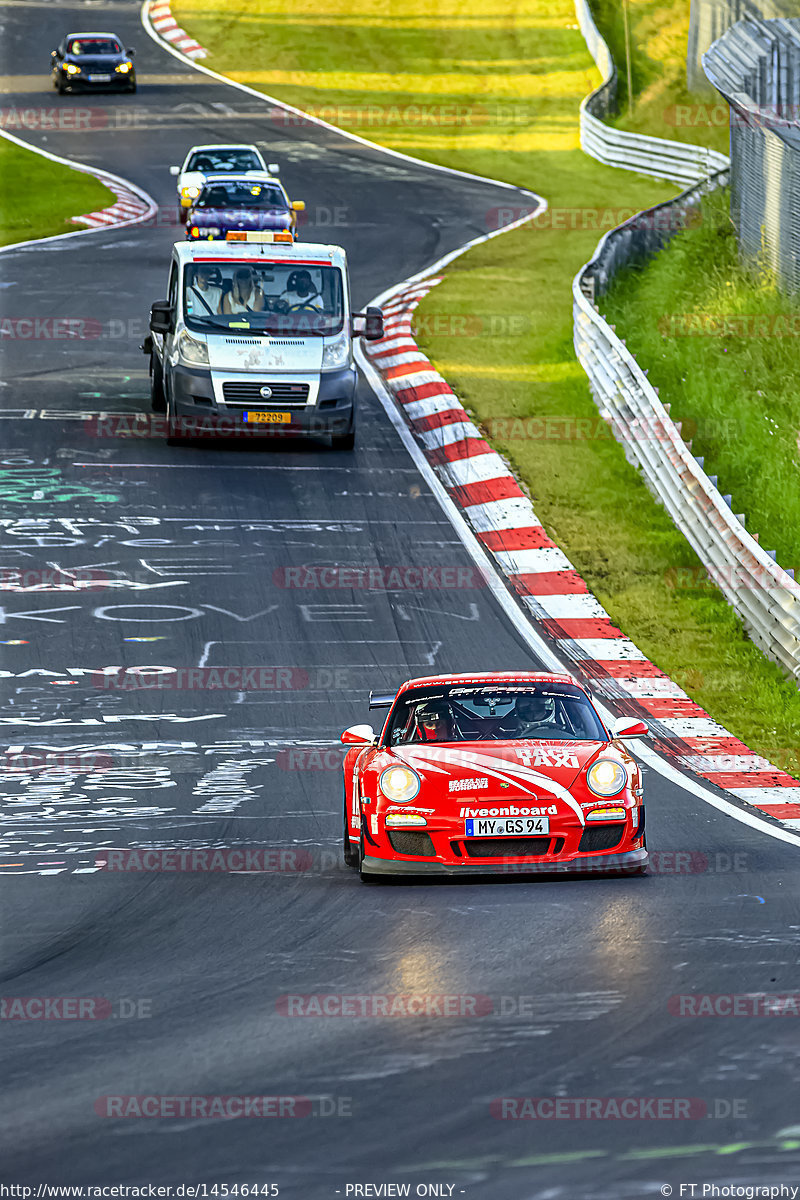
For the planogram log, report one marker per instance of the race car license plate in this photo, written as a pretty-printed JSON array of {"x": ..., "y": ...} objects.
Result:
[
  {"x": 267, "y": 418},
  {"x": 506, "y": 826},
  {"x": 99, "y": 79}
]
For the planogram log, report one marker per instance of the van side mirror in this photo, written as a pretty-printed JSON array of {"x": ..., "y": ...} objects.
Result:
[
  {"x": 373, "y": 326},
  {"x": 162, "y": 317}
]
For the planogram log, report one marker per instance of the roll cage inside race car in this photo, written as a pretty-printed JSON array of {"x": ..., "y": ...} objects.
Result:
[{"x": 508, "y": 712}]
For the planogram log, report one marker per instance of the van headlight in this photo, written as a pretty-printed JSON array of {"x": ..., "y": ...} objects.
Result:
[
  {"x": 606, "y": 777},
  {"x": 336, "y": 353},
  {"x": 191, "y": 351},
  {"x": 399, "y": 784}
]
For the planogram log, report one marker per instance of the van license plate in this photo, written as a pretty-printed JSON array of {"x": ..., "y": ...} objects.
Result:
[{"x": 267, "y": 418}]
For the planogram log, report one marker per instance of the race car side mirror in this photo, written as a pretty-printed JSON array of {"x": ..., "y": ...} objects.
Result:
[
  {"x": 161, "y": 317},
  {"x": 627, "y": 727},
  {"x": 273, "y": 168},
  {"x": 174, "y": 170},
  {"x": 358, "y": 735},
  {"x": 54, "y": 54},
  {"x": 130, "y": 52},
  {"x": 299, "y": 205}
]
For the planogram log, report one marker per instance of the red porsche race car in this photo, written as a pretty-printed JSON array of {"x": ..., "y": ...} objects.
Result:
[{"x": 501, "y": 772}]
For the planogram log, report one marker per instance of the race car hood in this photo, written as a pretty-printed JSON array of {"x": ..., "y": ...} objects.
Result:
[
  {"x": 467, "y": 771},
  {"x": 242, "y": 218}
]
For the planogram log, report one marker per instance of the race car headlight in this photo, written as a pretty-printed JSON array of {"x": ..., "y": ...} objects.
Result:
[
  {"x": 617, "y": 813},
  {"x": 606, "y": 777},
  {"x": 72, "y": 69},
  {"x": 124, "y": 68},
  {"x": 399, "y": 784},
  {"x": 393, "y": 819},
  {"x": 191, "y": 193},
  {"x": 192, "y": 351},
  {"x": 336, "y": 353}
]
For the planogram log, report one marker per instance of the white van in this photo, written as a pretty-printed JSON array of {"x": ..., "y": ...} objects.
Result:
[{"x": 256, "y": 335}]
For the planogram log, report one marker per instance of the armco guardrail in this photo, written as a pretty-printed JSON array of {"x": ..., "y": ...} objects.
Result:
[
  {"x": 765, "y": 596},
  {"x": 677, "y": 161}
]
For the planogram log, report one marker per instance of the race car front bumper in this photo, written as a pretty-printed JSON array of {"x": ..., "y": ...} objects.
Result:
[{"x": 630, "y": 861}]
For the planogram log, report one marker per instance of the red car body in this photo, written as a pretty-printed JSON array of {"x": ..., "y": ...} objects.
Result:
[{"x": 489, "y": 801}]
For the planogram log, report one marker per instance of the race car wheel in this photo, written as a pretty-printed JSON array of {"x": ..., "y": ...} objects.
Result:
[
  {"x": 158, "y": 401},
  {"x": 363, "y": 875},
  {"x": 132, "y": 89},
  {"x": 182, "y": 214}
]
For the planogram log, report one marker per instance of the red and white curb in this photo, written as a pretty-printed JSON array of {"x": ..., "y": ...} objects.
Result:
[
  {"x": 129, "y": 207},
  {"x": 569, "y": 617},
  {"x": 167, "y": 28}
]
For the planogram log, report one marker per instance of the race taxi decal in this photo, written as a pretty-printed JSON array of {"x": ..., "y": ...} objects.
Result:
[
  {"x": 467, "y": 785},
  {"x": 539, "y": 757}
]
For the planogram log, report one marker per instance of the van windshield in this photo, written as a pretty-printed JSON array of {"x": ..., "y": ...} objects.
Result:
[{"x": 255, "y": 296}]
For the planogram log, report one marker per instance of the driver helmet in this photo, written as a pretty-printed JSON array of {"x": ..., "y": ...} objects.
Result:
[
  {"x": 534, "y": 709},
  {"x": 434, "y": 720},
  {"x": 300, "y": 283}
]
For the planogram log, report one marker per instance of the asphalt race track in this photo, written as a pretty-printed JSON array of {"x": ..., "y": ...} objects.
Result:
[{"x": 187, "y": 547}]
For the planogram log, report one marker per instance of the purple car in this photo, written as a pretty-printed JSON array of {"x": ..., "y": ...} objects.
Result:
[{"x": 239, "y": 202}]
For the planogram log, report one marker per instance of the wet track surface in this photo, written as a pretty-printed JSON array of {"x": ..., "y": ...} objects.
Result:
[{"x": 187, "y": 547}]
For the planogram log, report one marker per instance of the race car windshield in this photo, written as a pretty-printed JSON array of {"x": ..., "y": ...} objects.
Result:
[
  {"x": 253, "y": 296},
  {"x": 541, "y": 712},
  {"x": 242, "y": 195},
  {"x": 222, "y": 161},
  {"x": 81, "y": 46}
]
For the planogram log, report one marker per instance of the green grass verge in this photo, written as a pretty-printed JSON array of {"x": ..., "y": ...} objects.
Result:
[
  {"x": 735, "y": 392},
  {"x": 513, "y": 361},
  {"x": 662, "y": 104},
  {"x": 40, "y": 196}
]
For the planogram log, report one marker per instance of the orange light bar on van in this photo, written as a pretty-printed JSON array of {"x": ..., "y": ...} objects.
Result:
[{"x": 244, "y": 235}]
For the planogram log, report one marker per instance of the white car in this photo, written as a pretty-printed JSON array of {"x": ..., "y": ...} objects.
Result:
[{"x": 214, "y": 160}]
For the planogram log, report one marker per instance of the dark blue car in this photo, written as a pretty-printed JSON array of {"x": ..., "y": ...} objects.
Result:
[
  {"x": 250, "y": 202},
  {"x": 92, "y": 62}
]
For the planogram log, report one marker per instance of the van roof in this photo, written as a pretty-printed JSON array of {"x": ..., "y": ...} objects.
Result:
[{"x": 307, "y": 252}]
